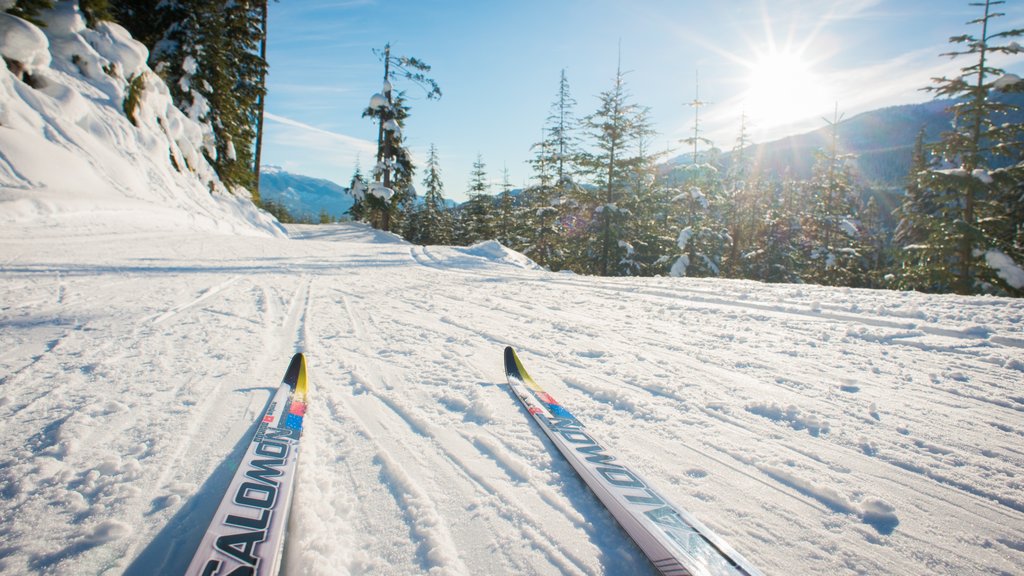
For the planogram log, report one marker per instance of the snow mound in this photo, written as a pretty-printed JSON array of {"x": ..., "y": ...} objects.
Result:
[
  {"x": 494, "y": 251},
  {"x": 90, "y": 139}
]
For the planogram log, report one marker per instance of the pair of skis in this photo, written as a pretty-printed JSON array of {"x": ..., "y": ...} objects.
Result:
[{"x": 247, "y": 534}]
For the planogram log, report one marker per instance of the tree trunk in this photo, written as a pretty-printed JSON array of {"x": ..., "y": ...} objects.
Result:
[{"x": 263, "y": 96}]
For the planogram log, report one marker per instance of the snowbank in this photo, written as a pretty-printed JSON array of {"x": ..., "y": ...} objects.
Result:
[
  {"x": 494, "y": 251},
  {"x": 70, "y": 155}
]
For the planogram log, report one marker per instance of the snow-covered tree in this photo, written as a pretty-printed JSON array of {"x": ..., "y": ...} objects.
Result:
[
  {"x": 551, "y": 202},
  {"x": 507, "y": 221},
  {"x": 208, "y": 54},
  {"x": 476, "y": 217},
  {"x": 614, "y": 128},
  {"x": 434, "y": 220},
  {"x": 393, "y": 172},
  {"x": 831, "y": 222},
  {"x": 646, "y": 237},
  {"x": 773, "y": 254},
  {"x": 968, "y": 219}
]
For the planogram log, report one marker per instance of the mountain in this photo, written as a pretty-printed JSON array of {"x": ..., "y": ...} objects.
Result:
[
  {"x": 304, "y": 197},
  {"x": 880, "y": 141}
]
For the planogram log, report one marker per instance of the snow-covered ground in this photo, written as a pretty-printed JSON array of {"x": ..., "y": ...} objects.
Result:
[
  {"x": 147, "y": 315},
  {"x": 819, "y": 431}
]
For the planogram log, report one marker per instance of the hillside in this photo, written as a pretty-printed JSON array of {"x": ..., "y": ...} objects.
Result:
[
  {"x": 881, "y": 143},
  {"x": 304, "y": 197},
  {"x": 70, "y": 155}
]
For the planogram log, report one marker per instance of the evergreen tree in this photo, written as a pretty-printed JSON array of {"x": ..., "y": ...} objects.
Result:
[
  {"x": 506, "y": 224},
  {"x": 968, "y": 223},
  {"x": 744, "y": 199},
  {"x": 435, "y": 219},
  {"x": 831, "y": 224},
  {"x": 476, "y": 218},
  {"x": 394, "y": 170},
  {"x": 646, "y": 238},
  {"x": 774, "y": 252},
  {"x": 615, "y": 128},
  {"x": 95, "y": 11},
  {"x": 207, "y": 55},
  {"x": 702, "y": 239}
]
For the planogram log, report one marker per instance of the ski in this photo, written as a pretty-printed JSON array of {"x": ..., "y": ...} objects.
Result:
[
  {"x": 246, "y": 536},
  {"x": 675, "y": 542}
]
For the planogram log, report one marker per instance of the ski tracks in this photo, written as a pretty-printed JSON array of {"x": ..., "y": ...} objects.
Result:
[{"x": 437, "y": 465}]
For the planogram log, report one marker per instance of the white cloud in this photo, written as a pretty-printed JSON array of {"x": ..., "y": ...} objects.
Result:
[{"x": 314, "y": 151}]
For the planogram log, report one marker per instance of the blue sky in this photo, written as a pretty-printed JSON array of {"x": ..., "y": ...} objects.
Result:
[{"x": 786, "y": 64}]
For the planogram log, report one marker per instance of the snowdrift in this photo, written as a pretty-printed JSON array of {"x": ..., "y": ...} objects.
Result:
[{"x": 70, "y": 156}]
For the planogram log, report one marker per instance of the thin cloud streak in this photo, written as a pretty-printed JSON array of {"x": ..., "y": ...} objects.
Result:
[{"x": 324, "y": 154}]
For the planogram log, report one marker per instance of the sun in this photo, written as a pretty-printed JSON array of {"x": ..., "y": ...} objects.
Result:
[{"x": 782, "y": 89}]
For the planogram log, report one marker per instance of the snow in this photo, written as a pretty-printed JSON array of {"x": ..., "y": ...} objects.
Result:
[
  {"x": 849, "y": 228},
  {"x": 22, "y": 42},
  {"x": 110, "y": 171},
  {"x": 1006, "y": 81},
  {"x": 1005, "y": 268},
  {"x": 817, "y": 430},
  {"x": 146, "y": 322},
  {"x": 378, "y": 101}
]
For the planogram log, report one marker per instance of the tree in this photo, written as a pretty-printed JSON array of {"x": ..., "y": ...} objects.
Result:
[
  {"x": 615, "y": 128},
  {"x": 394, "y": 170},
  {"x": 549, "y": 204},
  {"x": 970, "y": 237},
  {"x": 697, "y": 208},
  {"x": 261, "y": 103},
  {"x": 207, "y": 55},
  {"x": 506, "y": 221},
  {"x": 831, "y": 223},
  {"x": 435, "y": 221},
  {"x": 476, "y": 218},
  {"x": 645, "y": 239}
]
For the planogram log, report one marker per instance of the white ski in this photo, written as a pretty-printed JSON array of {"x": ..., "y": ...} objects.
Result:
[{"x": 674, "y": 541}]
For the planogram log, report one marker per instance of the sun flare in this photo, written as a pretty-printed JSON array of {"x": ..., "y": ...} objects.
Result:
[{"x": 782, "y": 89}]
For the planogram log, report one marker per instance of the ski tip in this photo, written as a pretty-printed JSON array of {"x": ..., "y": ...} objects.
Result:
[
  {"x": 511, "y": 360},
  {"x": 295, "y": 376}
]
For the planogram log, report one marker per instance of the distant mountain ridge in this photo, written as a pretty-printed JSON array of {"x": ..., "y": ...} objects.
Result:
[
  {"x": 304, "y": 197},
  {"x": 881, "y": 142}
]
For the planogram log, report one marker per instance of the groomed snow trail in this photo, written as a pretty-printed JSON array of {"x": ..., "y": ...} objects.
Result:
[{"x": 817, "y": 430}]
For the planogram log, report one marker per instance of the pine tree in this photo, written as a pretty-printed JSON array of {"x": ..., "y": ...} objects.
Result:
[
  {"x": 394, "y": 170},
  {"x": 95, "y": 11},
  {"x": 435, "y": 219},
  {"x": 971, "y": 225},
  {"x": 744, "y": 201},
  {"x": 646, "y": 238},
  {"x": 506, "y": 224},
  {"x": 476, "y": 218},
  {"x": 774, "y": 254},
  {"x": 615, "y": 128},
  {"x": 830, "y": 225},
  {"x": 207, "y": 55},
  {"x": 697, "y": 208}
]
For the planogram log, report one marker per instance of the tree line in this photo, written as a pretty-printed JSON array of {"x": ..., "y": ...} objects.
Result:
[{"x": 602, "y": 203}]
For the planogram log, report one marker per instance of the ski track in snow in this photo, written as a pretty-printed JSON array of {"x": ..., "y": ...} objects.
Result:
[{"x": 817, "y": 430}]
